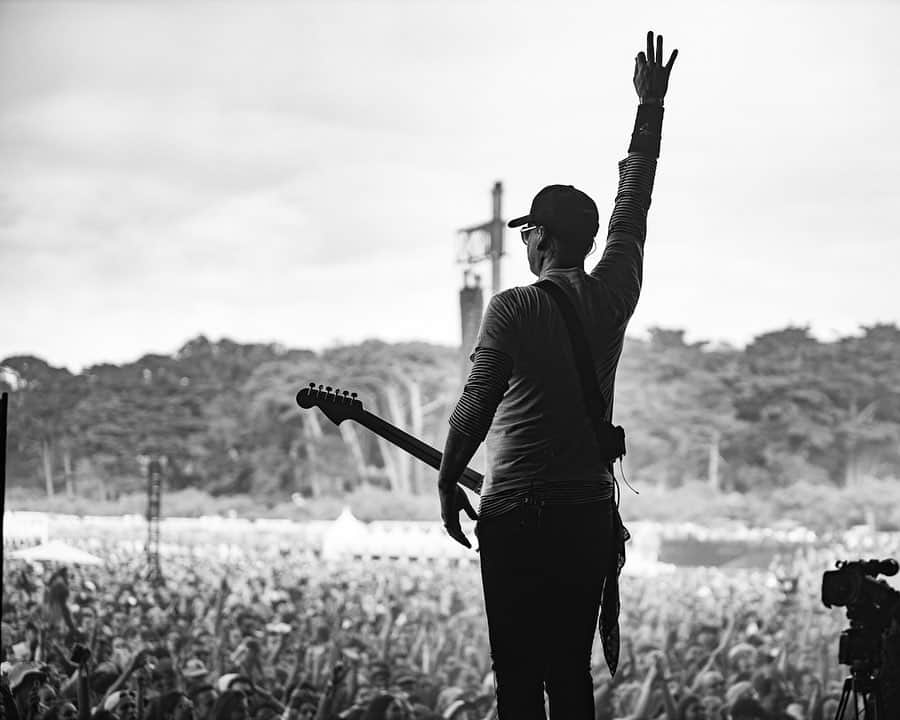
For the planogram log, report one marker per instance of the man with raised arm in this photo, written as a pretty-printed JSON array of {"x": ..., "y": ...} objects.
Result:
[{"x": 551, "y": 541}]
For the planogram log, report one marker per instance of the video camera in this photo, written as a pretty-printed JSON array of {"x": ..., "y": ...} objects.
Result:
[
  {"x": 871, "y": 605},
  {"x": 869, "y": 645}
]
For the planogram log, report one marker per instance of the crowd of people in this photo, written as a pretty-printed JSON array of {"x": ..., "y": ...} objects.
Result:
[{"x": 282, "y": 633}]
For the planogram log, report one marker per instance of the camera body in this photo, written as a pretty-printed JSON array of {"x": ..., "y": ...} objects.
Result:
[
  {"x": 871, "y": 605},
  {"x": 854, "y": 583},
  {"x": 871, "y": 645}
]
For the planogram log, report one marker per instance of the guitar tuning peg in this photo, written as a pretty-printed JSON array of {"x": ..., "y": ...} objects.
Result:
[
  {"x": 328, "y": 389},
  {"x": 353, "y": 395},
  {"x": 312, "y": 385},
  {"x": 347, "y": 392},
  {"x": 337, "y": 391},
  {"x": 321, "y": 388}
]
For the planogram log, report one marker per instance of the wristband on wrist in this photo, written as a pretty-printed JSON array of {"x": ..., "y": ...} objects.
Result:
[{"x": 645, "y": 138}]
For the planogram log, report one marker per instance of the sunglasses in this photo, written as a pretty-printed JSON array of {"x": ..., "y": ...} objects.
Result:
[{"x": 525, "y": 230}]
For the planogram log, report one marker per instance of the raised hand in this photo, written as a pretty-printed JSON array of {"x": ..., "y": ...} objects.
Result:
[{"x": 651, "y": 77}]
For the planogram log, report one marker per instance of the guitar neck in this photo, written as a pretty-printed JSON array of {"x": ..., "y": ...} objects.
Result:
[{"x": 415, "y": 447}]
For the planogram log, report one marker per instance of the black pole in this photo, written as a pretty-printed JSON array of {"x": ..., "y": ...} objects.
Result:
[{"x": 4, "y": 403}]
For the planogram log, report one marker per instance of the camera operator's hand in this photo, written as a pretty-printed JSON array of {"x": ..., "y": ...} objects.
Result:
[{"x": 651, "y": 77}]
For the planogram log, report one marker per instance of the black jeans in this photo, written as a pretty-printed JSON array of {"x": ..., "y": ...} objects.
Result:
[{"x": 542, "y": 571}]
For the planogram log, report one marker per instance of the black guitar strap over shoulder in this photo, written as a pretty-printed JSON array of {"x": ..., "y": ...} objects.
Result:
[
  {"x": 611, "y": 438},
  {"x": 596, "y": 406}
]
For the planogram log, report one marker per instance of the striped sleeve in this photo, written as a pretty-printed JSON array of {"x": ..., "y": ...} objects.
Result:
[
  {"x": 636, "y": 175},
  {"x": 485, "y": 387},
  {"x": 621, "y": 267}
]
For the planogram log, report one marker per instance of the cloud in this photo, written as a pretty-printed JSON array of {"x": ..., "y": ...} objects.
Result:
[{"x": 228, "y": 168}]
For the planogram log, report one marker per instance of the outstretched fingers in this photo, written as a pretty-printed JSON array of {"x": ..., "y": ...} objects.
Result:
[
  {"x": 671, "y": 61},
  {"x": 656, "y": 55}
]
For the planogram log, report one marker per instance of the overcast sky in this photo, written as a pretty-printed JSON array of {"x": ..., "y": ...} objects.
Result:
[{"x": 296, "y": 171}]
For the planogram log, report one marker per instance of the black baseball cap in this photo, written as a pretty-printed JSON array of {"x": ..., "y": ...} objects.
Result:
[{"x": 568, "y": 213}]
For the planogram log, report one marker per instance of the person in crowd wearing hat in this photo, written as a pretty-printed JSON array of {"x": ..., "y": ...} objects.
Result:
[
  {"x": 551, "y": 542},
  {"x": 710, "y": 682},
  {"x": 195, "y": 674},
  {"x": 122, "y": 704},
  {"x": 742, "y": 661},
  {"x": 25, "y": 679},
  {"x": 738, "y": 690},
  {"x": 234, "y": 681}
]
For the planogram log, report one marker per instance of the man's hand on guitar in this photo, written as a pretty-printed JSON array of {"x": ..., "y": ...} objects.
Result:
[{"x": 454, "y": 500}]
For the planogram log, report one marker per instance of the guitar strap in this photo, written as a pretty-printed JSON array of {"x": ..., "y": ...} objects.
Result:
[
  {"x": 593, "y": 398},
  {"x": 610, "y": 438}
]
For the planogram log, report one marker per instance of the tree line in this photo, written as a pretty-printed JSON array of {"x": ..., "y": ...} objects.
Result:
[{"x": 786, "y": 408}]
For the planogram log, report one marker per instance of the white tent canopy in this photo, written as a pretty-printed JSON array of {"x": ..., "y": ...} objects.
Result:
[{"x": 57, "y": 551}]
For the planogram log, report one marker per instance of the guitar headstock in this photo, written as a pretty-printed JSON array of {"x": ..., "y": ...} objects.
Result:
[{"x": 336, "y": 404}]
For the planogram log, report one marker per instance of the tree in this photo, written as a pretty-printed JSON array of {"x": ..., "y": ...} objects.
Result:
[
  {"x": 674, "y": 399},
  {"x": 40, "y": 409},
  {"x": 787, "y": 408}
]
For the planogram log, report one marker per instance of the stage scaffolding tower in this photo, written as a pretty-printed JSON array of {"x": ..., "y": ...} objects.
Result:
[
  {"x": 476, "y": 245},
  {"x": 154, "y": 504}
]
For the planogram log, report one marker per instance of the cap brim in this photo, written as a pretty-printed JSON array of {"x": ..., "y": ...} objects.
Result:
[{"x": 524, "y": 220}]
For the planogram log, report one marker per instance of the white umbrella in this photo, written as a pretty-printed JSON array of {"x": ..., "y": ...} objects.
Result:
[{"x": 57, "y": 551}]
